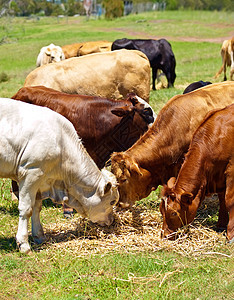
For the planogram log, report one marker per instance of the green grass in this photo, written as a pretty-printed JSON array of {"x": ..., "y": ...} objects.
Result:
[
  {"x": 54, "y": 273},
  {"x": 159, "y": 275}
]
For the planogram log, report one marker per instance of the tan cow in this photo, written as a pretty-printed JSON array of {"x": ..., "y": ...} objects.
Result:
[
  {"x": 49, "y": 54},
  {"x": 227, "y": 51},
  {"x": 159, "y": 153},
  {"x": 111, "y": 75},
  {"x": 84, "y": 48},
  {"x": 94, "y": 47},
  {"x": 71, "y": 50}
]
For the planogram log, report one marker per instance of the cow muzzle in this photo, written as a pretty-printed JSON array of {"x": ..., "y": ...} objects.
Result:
[
  {"x": 168, "y": 234},
  {"x": 107, "y": 222}
]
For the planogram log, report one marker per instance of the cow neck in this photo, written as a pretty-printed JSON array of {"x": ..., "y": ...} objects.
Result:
[
  {"x": 158, "y": 153},
  {"x": 78, "y": 167},
  {"x": 193, "y": 173}
]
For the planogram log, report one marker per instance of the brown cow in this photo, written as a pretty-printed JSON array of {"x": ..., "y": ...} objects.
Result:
[
  {"x": 159, "y": 153},
  {"x": 84, "y": 48},
  {"x": 208, "y": 168},
  {"x": 108, "y": 74},
  {"x": 227, "y": 53},
  {"x": 104, "y": 125}
]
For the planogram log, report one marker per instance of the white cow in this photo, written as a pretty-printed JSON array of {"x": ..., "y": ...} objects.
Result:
[
  {"x": 50, "y": 54},
  {"x": 41, "y": 150}
]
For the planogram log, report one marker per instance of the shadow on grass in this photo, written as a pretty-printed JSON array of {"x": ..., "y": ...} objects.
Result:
[
  {"x": 8, "y": 245},
  {"x": 12, "y": 209}
]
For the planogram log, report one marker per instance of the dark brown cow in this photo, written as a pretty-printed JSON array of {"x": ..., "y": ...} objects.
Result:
[
  {"x": 208, "y": 168},
  {"x": 159, "y": 153},
  {"x": 104, "y": 125}
]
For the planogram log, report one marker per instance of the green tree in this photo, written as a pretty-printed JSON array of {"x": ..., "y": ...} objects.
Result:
[
  {"x": 73, "y": 7},
  {"x": 14, "y": 8},
  {"x": 114, "y": 8}
]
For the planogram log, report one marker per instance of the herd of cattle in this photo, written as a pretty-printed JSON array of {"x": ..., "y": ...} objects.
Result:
[{"x": 87, "y": 104}]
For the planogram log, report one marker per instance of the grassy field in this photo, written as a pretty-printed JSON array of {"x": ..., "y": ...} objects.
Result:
[{"x": 127, "y": 261}]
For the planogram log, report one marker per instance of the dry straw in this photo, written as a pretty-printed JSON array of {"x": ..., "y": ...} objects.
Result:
[{"x": 137, "y": 229}]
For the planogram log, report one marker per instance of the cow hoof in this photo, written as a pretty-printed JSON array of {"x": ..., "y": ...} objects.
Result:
[
  {"x": 221, "y": 229},
  {"x": 40, "y": 240},
  {"x": 24, "y": 248}
]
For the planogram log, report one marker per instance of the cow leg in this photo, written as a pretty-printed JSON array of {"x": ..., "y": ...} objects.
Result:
[
  {"x": 154, "y": 76},
  {"x": 37, "y": 230},
  {"x": 28, "y": 188},
  {"x": 229, "y": 201},
  {"x": 25, "y": 212},
  {"x": 168, "y": 75},
  {"x": 224, "y": 71},
  {"x": 223, "y": 213},
  {"x": 232, "y": 66}
]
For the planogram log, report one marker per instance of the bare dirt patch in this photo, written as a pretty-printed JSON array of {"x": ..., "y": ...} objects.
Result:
[{"x": 141, "y": 34}]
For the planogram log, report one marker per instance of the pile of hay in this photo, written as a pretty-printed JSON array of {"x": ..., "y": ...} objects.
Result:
[{"x": 138, "y": 229}]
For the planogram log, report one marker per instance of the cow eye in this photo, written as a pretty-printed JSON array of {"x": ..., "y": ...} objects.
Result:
[
  {"x": 112, "y": 202},
  {"x": 123, "y": 180},
  {"x": 174, "y": 214}
]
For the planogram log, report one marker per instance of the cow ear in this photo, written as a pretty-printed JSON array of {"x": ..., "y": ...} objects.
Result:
[
  {"x": 134, "y": 168},
  {"x": 48, "y": 51},
  {"x": 171, "y": 182},
  {"x": 107, "y": 188},
  {"x": 121, "y": 111},
  {"x": 132, "y": 97},
  {"x": 187, "y": 198}
]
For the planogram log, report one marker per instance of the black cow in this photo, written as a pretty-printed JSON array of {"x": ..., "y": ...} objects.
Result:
[
  {"x": 196, "y": 85},
  {"x": 159, "y": 53}
]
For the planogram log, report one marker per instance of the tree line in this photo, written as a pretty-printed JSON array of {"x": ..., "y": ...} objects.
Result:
[{"x": 113, "y": 8}]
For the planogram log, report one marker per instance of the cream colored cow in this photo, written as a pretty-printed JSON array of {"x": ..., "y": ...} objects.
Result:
[
  {"x": 111, "y": 75},
  {"x": 227, "y": 51}
]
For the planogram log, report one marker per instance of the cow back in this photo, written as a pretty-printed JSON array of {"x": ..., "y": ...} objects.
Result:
[{"x": 109, "y": 74}]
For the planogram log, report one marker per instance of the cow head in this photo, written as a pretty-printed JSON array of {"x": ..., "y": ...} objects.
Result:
[
  {"x": 177, "y": 208},
  {"x": 98, "y": 205},
  {"x": 54, "y": 53},
  {"x": 134, "y": 181},
  {"x": 102, "y": 212},
  {"x": 138, "y": 105}
]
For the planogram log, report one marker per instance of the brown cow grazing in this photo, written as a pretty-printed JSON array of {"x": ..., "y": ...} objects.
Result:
[
  {"x": 159, "y": 153},
  {"x": 84, "y": 48},
  {"x": 208, "y": 168},
  {"x": 108, "y": 74},
  {"x": 227, "y": 53},
  {"x": 104, "y": 125}
]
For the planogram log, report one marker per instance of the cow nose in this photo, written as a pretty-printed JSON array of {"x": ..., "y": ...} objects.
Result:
[
  {"x": 162, "y": 234},
  {"x": 110, "y": 219}
]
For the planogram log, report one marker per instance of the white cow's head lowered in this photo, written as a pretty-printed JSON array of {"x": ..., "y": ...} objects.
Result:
[{"x": 98, "y": 205}]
